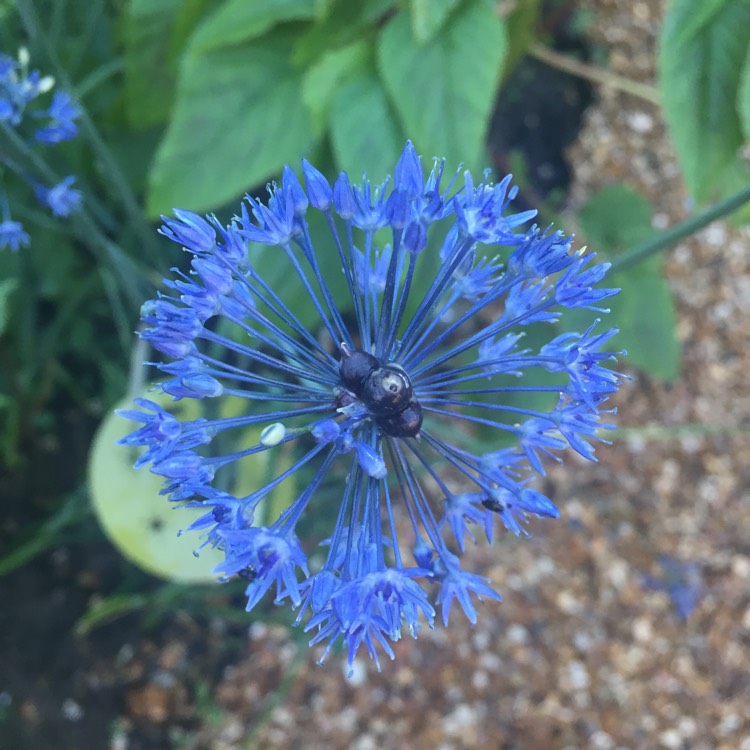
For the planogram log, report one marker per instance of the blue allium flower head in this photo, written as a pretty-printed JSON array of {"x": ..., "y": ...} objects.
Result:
[{"x": 398, "y": 403}]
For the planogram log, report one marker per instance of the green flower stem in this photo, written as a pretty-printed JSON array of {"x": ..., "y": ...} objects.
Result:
[
  {"x": 100, "y": 76},
  {"x": 27, "y": 162},
  {"x": 109, "y": 609},
  {"x": 48, "y": 342},
  {"x": 131, "y": 277},
  {"x": 139, "y": 352},
  {"x": 122, "y": 315},
  {"x": 27, "y": 325},
  {"x": 109, "y": 166},
  {"x": 684, "y": 229},
  {"x": 94, "y": 13},
  {"x": 594, "y": 74},
  {"x": 35, "y": 540}
]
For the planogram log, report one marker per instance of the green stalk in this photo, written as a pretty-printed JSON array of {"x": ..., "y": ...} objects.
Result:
[
  {"x": 131, "y": 277},
  {"x": 679, "y": 231},
  {"x": 109, "y": 166},
  {"x": 591, "y": 73}
]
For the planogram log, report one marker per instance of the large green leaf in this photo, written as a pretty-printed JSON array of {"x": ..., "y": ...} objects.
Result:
[
  {"x": 428, "y": 17},
  {"x": 444, "y": 91},
  {"x": 521, "y": 24},
  {"x": 143, "y": 525},
  {"x": 353, "y": 13},
  {"x": 364, "y": 132},
  {"x": 321, "y": 80},
  {"x": 149, "y": 71},
  {"x": 342, "y": 23},
  {"x": 613, "y": 220},
  {"x": 323, "y": 8},
  {"x": 737, "y": 178},
  {"x": 645, "y": 315},
  {"x": 7, "y": 287},
  {"x": 700, "y": 15},
  {"x": 242, "y": 20},
  {"x": 644, "y": 312},
  {"x": 743, "y": 97},
  {"x": 703, "y": 48},
  {"x": 188, "y": 16},
  {"x": 238, "y": 118}
]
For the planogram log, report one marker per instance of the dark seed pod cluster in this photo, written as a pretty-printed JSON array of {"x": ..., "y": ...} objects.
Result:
[{"x": 385, "y": 390}]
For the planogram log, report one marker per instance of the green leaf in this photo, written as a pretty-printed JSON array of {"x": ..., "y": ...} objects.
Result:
[
  {"x": 59, "y": 265},
  {"x": 238, "y": 118},
  {"x": 615, "y": 218},
  {"x": 188, "y": 16},
  {"x": 364, "y": 132},
  {"x": 700, "y": 15},
  {"x": 343, "y": 22},
  {"x": 522, "y": 24},
  {"x": 644, "y": 312},
  {"x": 743, "y": 97},
  {"x": 7, "y": 287},
  {"x": 242, "y": 20},
  {"x": 355, "y": 15},
  {"x": 142, "y": 524},
  {"x": 133, "y": 150},
  {"x": 320, "y": 81},
  {"x": 428, "y": 17},
  {"x": 37, "y": 538},
  {"x": 443, "y": 91},
  {"x": 703, "y": 49},
  {"x": 323, "y": 8},
  {"x": 154, "y": 36},
  {"x": 736, "y": 178},
  {"x": 149, "y": 71},
  {"x": 108, "y": 609}
]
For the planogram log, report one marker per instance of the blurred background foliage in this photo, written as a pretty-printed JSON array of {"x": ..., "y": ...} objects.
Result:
[{"x": 192, "y": 103}]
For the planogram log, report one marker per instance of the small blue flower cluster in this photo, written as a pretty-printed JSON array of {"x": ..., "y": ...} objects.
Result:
[
  {"x": 681, "y": 581},
  {"x": 19, "y": 87},
  {"x": 384, "y": 405}
]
